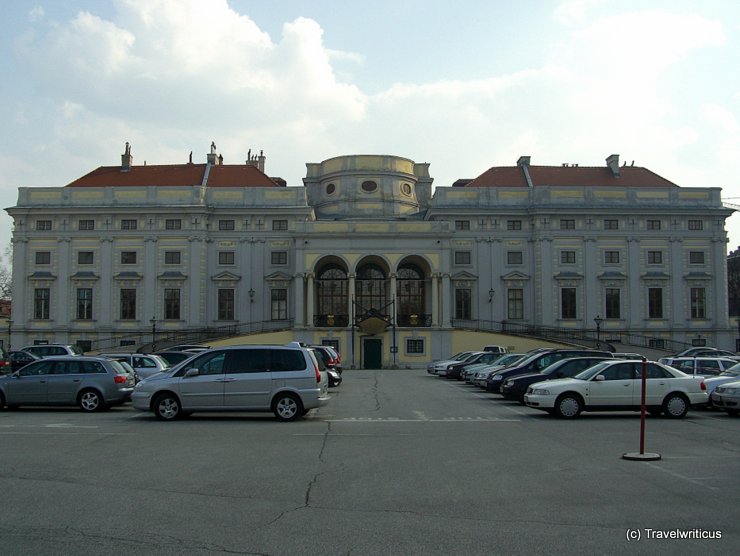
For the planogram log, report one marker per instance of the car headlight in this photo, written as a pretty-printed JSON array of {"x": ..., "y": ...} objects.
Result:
[
  {"x": 540, "y": 392},
  {"x": 731, "y": 391},
  {"x": 497, "y": 377}
]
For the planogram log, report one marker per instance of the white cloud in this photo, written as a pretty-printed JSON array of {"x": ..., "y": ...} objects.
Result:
[{"x": 36, "y": 14}]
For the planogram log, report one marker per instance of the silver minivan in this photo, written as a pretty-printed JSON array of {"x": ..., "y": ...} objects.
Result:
[{"x": 283, "y": 379}]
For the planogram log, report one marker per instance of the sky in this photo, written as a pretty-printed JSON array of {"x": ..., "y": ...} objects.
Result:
[{"x": 464, "y": 86}]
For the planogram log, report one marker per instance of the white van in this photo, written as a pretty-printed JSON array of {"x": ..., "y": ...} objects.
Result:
[
  {"x": 283, "y": 379},
  {"x": 495, "y": 349}
]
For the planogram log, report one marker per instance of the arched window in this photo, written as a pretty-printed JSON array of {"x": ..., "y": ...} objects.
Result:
[
  {"x": 331, "y": 297},
  {"x": 410, "y": 286},
  {"x": 370, "y": 288}
]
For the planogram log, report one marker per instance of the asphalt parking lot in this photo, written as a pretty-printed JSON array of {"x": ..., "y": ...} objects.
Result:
[{"x": 400, "y": 462}]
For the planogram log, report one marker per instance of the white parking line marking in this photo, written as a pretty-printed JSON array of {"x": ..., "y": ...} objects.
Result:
[
  {"x": 684, "y": 477},
  {"x": 444, "y": 420}
]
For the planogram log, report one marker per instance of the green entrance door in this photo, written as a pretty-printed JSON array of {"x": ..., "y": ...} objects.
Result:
[{"x": 372, "y": 353}]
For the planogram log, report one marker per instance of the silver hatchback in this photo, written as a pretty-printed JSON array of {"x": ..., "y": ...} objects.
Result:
[
  {"x": 283, "y": 379},
  {"x": 92, "y": 383}
]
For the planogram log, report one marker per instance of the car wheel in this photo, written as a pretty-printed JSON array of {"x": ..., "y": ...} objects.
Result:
[
  {"x": 287, "y": 407},
  {"x": 568, "y": 406},
  {"x": 675, "y": 406},
  {"x": 90, "y": 400},
  {"x": 167, "y": 407}
]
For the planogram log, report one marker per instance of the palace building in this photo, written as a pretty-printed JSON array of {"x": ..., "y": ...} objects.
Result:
[{"x": 368, "y": 257}]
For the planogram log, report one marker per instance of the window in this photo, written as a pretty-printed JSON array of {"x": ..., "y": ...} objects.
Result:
[
  {"x": 128, "y": 257},
  {"x": 367, "y": 186},
  {"x": 171, "y": 257},
  {"x": 279, "y": 225},
  {"x": 696, "y": 257},
  {"x": 331, "y": 291},
  {"x": 611, "y": 257},
  {"x": 226, "y": 304},
  {"x": 698, "y": 303},
  {"x": 43, "y": 225},
  {"x": 410, "y": 294},
  {"x": 568, "y": 303},
  {"x": 513, "y": 224},
  {"x": 611, "y": 224},
  {"x": 462, "y": 224},
  {"x": 698, "y": 342},
  {"x": 653, "y": 224},
  {"x": 655, "y": 257},
  {"x": 171, "y": 303},
  {"x": 567, "y": 224},
  {"x": 696, "y": 224},
  {"x": 279, "y": 304},
  {"x": 656, "y": 343},
  {"x": 86, "y": 225},
  {"x": 414, "y": 346},
  {"x": 612, "y": 303},
  {"x": 515, "y": 303},
  {"x": 655, "y": 303},
  {"x": 279, "y": 257},
  {"x": 463, "y": 304},
  {"x": 567, "y": 257},
  {"x": 514, "y": 257},
  {"x": 462, "y": 257},
  {"x": 173, "y": 224},
  {"x": 225, "y": 224},
  {"x": 43, "y": 257},
  {"x": 128, "y": 304},
  {"x": 84, "y": 303},
  {"x": 128, "y": 224},
  {"x": 225, "y": 257},
  {"x": 41, "y": 301},
  {"x": 85, "y": 257}
]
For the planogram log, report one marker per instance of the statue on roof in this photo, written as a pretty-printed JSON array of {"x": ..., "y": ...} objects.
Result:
[{"x": 213, "y": 147}]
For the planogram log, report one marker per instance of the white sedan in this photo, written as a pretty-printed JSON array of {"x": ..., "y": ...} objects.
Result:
[{"x": 617, "y": 386}]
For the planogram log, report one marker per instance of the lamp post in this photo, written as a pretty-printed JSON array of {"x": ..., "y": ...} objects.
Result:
[
  {"x": 154, "y": 333},
  {"x": 491, "y": 293},
  {"x": 598, "y": 320},
  {"x": 10, "y": 327}
]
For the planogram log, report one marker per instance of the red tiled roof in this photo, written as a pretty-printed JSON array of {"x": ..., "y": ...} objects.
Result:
[
  {"x": 513, "y": 176},
  {"x": 175, "y": 175}
]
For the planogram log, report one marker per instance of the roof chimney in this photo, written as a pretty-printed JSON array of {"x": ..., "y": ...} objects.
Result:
[
  {"x": 523, "y": 163},
  {"x": 612, "y": 161},
  {"x": 256, "y": 160},
  {"x": 126, "y": 159},
  {"x": 212, "y": 157}
]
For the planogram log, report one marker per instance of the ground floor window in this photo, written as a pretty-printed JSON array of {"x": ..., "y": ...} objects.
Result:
[
  {"x": 41, "y": 301},
  {"x": 172, "y": 303},
  {"x": 698, "y": 303},
  {"x": 568, "y": 308},
  {"x": 128, "y": 304},
  {"x": 612, "y": 303},
  {"x": 225, "y": 304},
  {"x": 84, "y": 303},
  {"x": 655, "y": 303},
  {"x": 463, "y": 308},
  {"x": 415, "y": 346},
  {"x": 515, "y": 303},
  {"x": 279, "y": 304}
]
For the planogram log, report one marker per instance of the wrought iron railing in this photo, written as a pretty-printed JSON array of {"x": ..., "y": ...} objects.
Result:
[
  {"x": 414, "y": 320},
  {"x": 329, "y": 321}
]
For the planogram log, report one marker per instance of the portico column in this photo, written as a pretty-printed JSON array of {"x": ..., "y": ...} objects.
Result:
[
  {"x": 394, "y": 291},
  {"x": 309, "y": 302},
  {"x": 446, "y": 301},
  {"x": 350, "y": 296},
  {"x": 299, "y": 308},
  {"x": 435, "y": 300}
]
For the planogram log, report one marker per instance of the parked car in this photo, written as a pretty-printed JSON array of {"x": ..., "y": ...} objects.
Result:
[
  {"x": 514, "y": 388},
  {"x": 326, "y": 363},
  {"x": 145, "y": 365},
  {"x": 92, "y": 383},
  {"x": 283, "y": 379},
  {"x": 727, "y": 397},
  {"x": 478, "y": 376},
  {"x": 187, "y": 347},
  {"x": 454, "y": 370},
  {"x": 174, "y": 357},
  {"x": 705, "y": 352},
  {"x": 51, "y": 350},
  {"x": 627, "y": 355},
  {"x": 330, "y": 356},
  {"x": 5, "y": 365},
  {"x": 495, "y": 349},
  {"x": 705, "y": 366},
  {"x": 435, "y": 365},
  {"x": 616, "y": 386},
  {"x": 730, "y": 375},
  {"x": 536, "y": 362},
  {"x": 19, "y": 359}
]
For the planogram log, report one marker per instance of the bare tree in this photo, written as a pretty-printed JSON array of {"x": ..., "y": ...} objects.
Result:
[{"x": 6, "y": 274}]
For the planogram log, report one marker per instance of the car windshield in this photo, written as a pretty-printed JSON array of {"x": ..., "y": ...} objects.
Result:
[
  {"x": 76, "y": 350},
  {"x": 507, "y": 360},
  {"x": 591, "y": 372}
]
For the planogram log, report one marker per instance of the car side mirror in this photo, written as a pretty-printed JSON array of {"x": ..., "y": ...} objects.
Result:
[
  {"x": 600, "y": 378},
  {"x": 192, "y": 372}
]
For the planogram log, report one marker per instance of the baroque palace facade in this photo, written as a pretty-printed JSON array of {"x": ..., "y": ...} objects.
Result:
[{"x": 366, "y": 256}]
